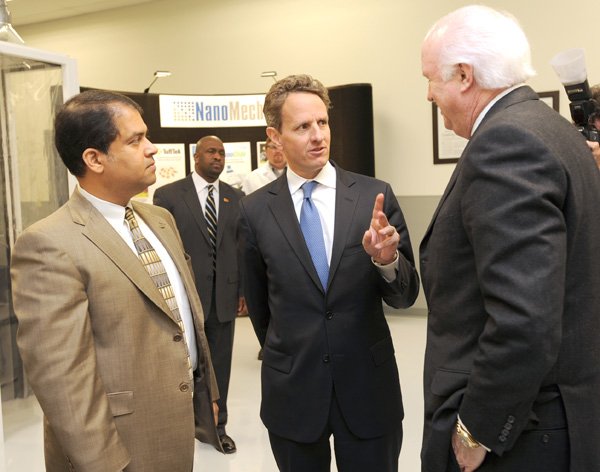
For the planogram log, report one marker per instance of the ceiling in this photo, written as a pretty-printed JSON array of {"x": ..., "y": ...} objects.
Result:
[{"x": 25, "y": 12}]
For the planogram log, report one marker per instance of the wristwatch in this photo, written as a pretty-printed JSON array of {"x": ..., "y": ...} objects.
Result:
[{"x": 465, "y": 437}]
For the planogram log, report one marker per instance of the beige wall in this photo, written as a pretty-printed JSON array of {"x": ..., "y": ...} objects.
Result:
[{"x": 221, "y": 46}]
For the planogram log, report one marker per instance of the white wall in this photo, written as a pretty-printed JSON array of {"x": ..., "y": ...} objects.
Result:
[{"x": 221, "y": 46}]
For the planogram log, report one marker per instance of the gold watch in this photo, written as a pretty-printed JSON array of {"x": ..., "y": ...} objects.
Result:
[{"x": 465, "y": 437}]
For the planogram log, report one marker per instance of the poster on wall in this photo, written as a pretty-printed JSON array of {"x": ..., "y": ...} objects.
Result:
[
  {"x": 170, "y": 166},
  {"x": 238, "y": 162},
  {"x": 261, "y": 154},
  {"x": 211, "y": 111}
]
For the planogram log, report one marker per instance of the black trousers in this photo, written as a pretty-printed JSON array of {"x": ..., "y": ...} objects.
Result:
[
  {"x": 352, "y": 453},
  {"x": 220, "y": 341}
]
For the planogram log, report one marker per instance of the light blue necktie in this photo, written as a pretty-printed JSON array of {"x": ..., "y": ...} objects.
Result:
[{"x": 310, "y": 223}]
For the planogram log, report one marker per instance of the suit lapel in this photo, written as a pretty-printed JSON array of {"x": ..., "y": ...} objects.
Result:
[
  {"x": 190, "y": 197},
  {"x": 226, "y": 210},
  {"x": 346, "y": 200},
  {"x": 101, "y": 233},
  {"x": 447, "y": 192},
  {"x": 282, "y": 208}
]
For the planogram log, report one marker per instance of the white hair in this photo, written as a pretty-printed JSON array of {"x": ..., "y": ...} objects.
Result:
[{"x": 489, "y": 40}]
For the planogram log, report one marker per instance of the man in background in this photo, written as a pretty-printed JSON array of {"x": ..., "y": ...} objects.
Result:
[
  {"x": 510, "y": 265},
  {"x": 206, "y": 212},
  {"x": 322, "y": 248},
  {"x": 110, "y": 324},
  {"x": 268, "y": 172}
]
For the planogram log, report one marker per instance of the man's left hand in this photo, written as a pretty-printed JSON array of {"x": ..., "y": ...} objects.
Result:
[
  {"x": 242, "y": 308},
  {"x": 381, "y": 239},
  {"x": 469, "y": 459}
]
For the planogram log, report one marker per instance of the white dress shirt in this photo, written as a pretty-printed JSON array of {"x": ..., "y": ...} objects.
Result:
[
  {"x": 115, "y": 215},
  {"x": 323, "y": 196},
  {"x": 201, "y": 186},
  {"x": 260, "y": 177}
]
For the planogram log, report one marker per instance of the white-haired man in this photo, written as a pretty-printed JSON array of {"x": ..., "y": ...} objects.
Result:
[{"x": 510, "y": 266}]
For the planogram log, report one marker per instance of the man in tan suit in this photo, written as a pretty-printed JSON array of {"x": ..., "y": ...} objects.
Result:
[{"x": 121, "y": 369}]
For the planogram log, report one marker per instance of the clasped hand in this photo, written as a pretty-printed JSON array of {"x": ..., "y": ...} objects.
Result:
[{"x": 468, "y": 459}]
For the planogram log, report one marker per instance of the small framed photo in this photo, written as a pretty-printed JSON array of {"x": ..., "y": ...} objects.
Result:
[{"x": 261, "y": 153}]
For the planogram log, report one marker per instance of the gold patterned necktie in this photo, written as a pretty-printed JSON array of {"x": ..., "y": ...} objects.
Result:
[
  {"x": 210, "y": 214},
  {"x": 156, "y": 269}
]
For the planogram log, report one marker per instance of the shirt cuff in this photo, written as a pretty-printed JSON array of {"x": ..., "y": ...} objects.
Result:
[{"x": 389, "y": 272}]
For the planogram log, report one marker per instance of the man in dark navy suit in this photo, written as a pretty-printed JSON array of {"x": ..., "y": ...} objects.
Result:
[{"x": 322, "y": 248}]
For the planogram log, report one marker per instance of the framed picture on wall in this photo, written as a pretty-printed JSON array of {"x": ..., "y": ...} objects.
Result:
[
  {"x": 261, "y": 154},
  {"x": 448, "y": 147},
  {"x": 551, "y": 99}
]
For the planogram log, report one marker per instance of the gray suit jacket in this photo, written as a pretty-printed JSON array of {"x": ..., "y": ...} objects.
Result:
[
  {"x": 101, "y": 348},
  {"x": 315, "y": 341},
  {"x": 511, "y": 269},
  {"x": 181, "y": 199}
]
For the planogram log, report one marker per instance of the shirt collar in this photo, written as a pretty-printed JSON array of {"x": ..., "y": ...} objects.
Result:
[
  {"x": 200, "y": 183},
  {"x": 493, "y": 101},
  {"x": 107, "y": 209},
  {"x": 326, "y": 177}
]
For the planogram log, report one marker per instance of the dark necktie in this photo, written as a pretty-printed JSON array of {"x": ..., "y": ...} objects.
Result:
[
  {"x": 156, "y": 269},
  {"x": 310, "y": 223},
  {"x": 210, "y": 213}
]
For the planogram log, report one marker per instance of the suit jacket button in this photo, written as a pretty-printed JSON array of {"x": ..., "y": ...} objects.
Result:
[
  {"x": 184, "y": 387},
  {"x": 510, "y": 419},
  {"x": 329, "y": 315},
  {"x": 326, "y": 358},
  {"x": 177, "y": 338},
  {"x": 502, "y": 438}
]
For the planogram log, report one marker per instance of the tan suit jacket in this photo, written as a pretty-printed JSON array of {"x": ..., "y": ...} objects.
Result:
[{"x": 101, "y": 349}]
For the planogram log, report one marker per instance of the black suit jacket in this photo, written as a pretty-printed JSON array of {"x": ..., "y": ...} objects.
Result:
[
  {"x": 181, "y": 199},
  {"x": 511, "y": 271},
  {"x": 314, "y": 341}
]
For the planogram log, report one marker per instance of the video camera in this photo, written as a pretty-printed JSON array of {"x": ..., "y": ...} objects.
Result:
[{"x": 569, "y": 65}]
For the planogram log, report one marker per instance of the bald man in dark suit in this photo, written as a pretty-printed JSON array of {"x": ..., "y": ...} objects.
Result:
[{"x": 215, "y": 269}]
